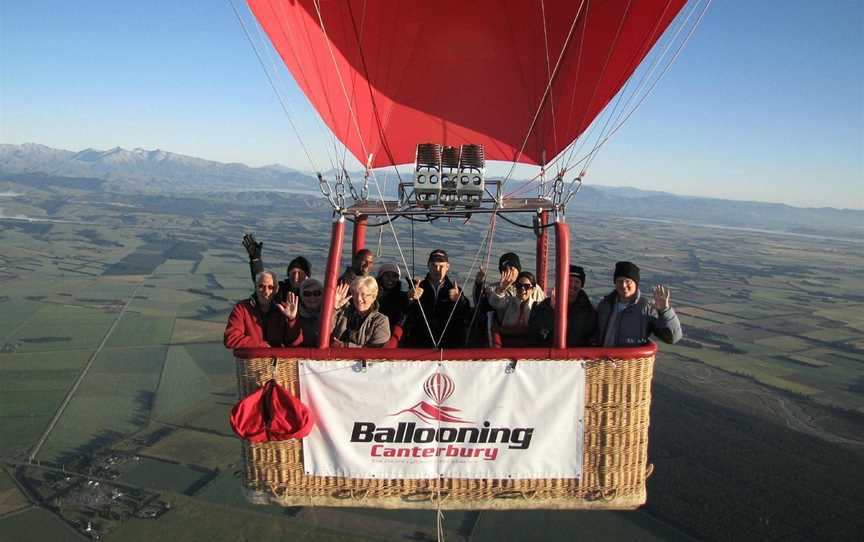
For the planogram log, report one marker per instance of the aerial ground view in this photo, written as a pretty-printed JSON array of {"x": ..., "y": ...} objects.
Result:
[
  {"x": 116, "y": 385},
  {"x": 718, "y": 145}
]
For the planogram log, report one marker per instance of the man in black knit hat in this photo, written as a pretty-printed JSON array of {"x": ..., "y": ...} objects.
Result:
[
  {"x": 581, "y": 316},
  {"x": 626, "y": 318},
  {"x": 299, "y": 269}
]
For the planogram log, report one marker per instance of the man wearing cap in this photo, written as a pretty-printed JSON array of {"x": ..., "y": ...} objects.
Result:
[
  {"x": 298, "y": 270},
  {"x": 581, "y": 316},
  {"x": 361, "y": 265},
  {"x": 436, "y": 297},
  {"x": 625, "y": 318}
]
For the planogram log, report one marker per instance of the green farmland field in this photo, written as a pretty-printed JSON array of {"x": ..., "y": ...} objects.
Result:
[
  {"x": 138, "y": 330},
  {"x": 114, "y": 400},
  {"x": 37, "y": 525},
  {"x": 160, "y": 475}
]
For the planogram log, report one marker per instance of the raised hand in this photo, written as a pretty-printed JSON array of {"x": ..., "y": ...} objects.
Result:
[
  {"x": 252, "y": 247},
  {"x": 661, "y": 298},
  {"x": 453, "y": 293},
  {"x": 292, "y": 303},
  {"x": 508, "y": 277},
  {"x": 480, "y": 277},
  {"x": 415, "y": 292},
  {"x": 342, "y": 296},
  {"x": 288, "y": 308}
]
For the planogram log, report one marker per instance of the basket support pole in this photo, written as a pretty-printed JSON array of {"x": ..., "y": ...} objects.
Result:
[
  {"x": 542, "y": 250},
  {"x": 334, "y": 261},
  {"x": 562, "y": 281},
  {"x": 358, "y": 238}
]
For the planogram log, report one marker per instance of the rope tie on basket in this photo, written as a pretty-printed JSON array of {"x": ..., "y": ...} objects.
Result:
[
  {"x": 602, "y": 495},
  {"x": 274, "y": 363},
  {"x": 346, "y": 493},
  {"x": 515, "y": 494}
]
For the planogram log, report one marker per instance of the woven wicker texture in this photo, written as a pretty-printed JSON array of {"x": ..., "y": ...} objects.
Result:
[{"x": 615, "y": 465}]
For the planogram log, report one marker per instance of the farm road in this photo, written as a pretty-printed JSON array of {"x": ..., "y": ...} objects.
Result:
[{"x": 83, "y": 374}]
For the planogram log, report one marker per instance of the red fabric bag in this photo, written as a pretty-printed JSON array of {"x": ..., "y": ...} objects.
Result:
[{"x": 271, "y": 413}]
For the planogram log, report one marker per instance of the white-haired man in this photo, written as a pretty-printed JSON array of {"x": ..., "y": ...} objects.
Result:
[{"x": 261, "y": 321}]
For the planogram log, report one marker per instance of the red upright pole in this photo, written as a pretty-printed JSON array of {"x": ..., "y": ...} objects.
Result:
[
  {"x": 562, "y": 281},
  {"x": 542, "y": 250},
  {"x": 358, "y": 239},
  {"x": 334, "y": 262}
]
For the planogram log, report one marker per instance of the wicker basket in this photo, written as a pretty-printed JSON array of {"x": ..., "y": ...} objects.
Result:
[{"x": 615, "y": 466}]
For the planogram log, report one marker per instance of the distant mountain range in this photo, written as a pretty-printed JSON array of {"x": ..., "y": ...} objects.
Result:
[
  {"x": 140, "y": 170},
  {"x": 157, "y": 171}
]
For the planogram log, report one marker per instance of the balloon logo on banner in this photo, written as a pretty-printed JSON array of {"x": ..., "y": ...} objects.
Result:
[{"x": 439, "y": 387}]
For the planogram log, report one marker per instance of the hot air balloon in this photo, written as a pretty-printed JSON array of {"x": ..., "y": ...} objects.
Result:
[
  {"x": 438, "y": 387},
  {"x": 447, "y": 86}
]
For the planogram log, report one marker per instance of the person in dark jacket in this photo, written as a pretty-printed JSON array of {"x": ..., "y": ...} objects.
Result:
[
  {"x": 309, "y": 312},
  {"x": 299, "y": 269},
  {"x": 361, "y": 266},
  {"x": 392, "y": 300},
  {"x": 626, "y": 318},
  {"x": 261, "y": 321},
  {"x": 441, "y": 301},
  {"x": 581, "y": 316}
]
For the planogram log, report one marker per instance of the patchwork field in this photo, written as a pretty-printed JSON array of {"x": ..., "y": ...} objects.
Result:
[{"x": 768, "y": 383}]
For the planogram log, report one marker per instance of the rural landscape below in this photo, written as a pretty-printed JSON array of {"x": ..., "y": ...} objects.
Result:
[{"x": 118, "y": 270}]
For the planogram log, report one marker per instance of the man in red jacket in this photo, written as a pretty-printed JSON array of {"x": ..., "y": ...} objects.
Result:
[{"x": 260, "y": 321}]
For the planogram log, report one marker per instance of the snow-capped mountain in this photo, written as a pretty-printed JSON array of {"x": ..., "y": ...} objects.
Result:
[{"x": 143, "y": 169}]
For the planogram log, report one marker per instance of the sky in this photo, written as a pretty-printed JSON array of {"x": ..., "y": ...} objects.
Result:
[{"x": 765, "y": 103}]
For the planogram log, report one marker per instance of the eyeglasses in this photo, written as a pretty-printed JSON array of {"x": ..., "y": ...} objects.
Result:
[
  {"x": 523, "y": 286},
  {"x": 316, "y": 293}
]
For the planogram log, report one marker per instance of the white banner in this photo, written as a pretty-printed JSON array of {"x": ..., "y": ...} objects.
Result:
[{"x": 471, "y": 419}]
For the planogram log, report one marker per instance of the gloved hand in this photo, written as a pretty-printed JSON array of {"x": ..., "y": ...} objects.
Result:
[{"x": 252, "y": 247}]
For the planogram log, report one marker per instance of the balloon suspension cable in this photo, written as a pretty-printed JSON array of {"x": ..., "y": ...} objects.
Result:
[
  {"x": 474, "y": 263},
  {"x": 546, "y": 92},
  {"x": 483, "y": 282},
  {"x": 654, "y": 83},
  {"x": 337, "y": 158},
  {"x": 410, "y": 272},
  {"x": 282, "y": 102},
  {"x": 606, "y": 61},
  {"x": 566, "y": 156},
  {"x": 564, "y": 160},
  {"x": 317, "y": 5},
  {"x": 549, "y": 75}
]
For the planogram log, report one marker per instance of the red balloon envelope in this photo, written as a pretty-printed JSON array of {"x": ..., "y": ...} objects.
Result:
[
  {"x": 271, "y": 413},
  {"x": 457, "y": 71}
]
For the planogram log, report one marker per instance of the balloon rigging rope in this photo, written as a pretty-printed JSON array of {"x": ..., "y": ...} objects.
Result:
[
  {"x": 653, "y": 85},
  {"x": 549, "y": 73},
  {"x": 605, "y": 64},
  {"x": 633, "y": 65},
  {"x": 317, "y": 4},
  {"x": 328, "y": 135},
  {"x": 436, "y": 343},
  {"x": 546, "y": 91},
  {"x": 273, "y": 86},
  {"x": 365, "y": 152},
  {"x": 591, "y": 154},
  {"x": 492, "y": 220},
  {"x": 487, "y": 238}
]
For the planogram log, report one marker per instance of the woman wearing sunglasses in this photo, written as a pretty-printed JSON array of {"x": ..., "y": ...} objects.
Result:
[
  {"x": 513, "y": 312},
  {"x": 311, "y": 295}
]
